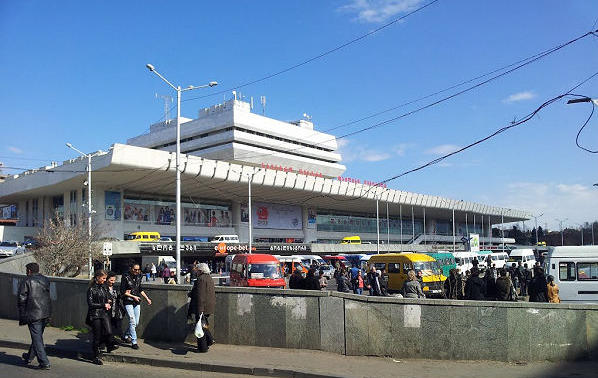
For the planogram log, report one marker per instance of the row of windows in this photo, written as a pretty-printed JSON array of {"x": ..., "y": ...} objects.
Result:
[
  {"x": 582, "y": 271},
  {"x": 204, "y": 135}
]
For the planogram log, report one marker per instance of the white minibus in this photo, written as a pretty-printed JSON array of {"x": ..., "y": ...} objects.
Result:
[
  {"x": 464, "y": 260},
  {"x": 575, "y": 271},
  {"x": 525, "y": 255}
]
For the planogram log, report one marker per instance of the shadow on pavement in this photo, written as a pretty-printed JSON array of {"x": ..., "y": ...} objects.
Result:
[{"x": 9, "y": 359}]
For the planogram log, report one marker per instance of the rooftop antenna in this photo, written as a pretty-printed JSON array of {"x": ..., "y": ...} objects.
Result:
[
  {"x": 167, "y": 102},
  {"x": 307, "y": 117},
  {"x": 235, "y": 94},
  {"x": 263, "y": 102},
  {"x": 251, "y": 102}
]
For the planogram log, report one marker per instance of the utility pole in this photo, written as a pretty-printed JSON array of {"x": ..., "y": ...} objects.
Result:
[{"x": 561, "y": 227}]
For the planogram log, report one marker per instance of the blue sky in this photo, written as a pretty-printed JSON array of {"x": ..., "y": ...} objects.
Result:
[{"x": 75, "y": 71}]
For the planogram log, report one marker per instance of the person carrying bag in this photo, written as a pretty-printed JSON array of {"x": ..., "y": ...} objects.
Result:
[{"x": 203, "y": 302}]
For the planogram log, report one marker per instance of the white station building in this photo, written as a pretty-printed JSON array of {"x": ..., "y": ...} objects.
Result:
[{"x": 298, "y": 195}]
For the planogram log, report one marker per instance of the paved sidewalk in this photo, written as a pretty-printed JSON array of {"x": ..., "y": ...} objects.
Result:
[{"x": 236, "y": 359}]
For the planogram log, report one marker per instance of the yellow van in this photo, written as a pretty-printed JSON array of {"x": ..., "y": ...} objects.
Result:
[
  {"x": 351, "y": 240},
  {"x": 143, "y": 236},
  {"x": 396, "y": 265}
]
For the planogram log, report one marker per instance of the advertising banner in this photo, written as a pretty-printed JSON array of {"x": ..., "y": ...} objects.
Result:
[
  {"x": 474, "y": 242},
  {"x": 136, "y": 212},
  {"x": 112, "y": 202},
  {"x": 311, "y": 218},
  {"x": 274, "y": 216}
]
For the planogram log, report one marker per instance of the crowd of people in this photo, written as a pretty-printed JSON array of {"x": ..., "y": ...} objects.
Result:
[{"x": 510, "y": 283}]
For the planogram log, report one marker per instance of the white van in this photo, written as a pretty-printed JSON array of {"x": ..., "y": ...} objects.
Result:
[
  {"x": 225, "y": 239},
  {"x": 308, "y": 260},
  {"x": 499, "y": 259},
  {"x": 464, "y": 260},
  {"x": 525, "y": 255},
  {"x": 575, "y": 271}
]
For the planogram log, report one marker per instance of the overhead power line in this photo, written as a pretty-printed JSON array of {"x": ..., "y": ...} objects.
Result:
[
  {"x": 513, "y": 67},
  {"x": 309, "y": 60}
]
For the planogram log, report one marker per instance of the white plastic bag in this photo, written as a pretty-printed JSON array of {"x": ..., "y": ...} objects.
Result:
[{"x": 199, "y": 328}]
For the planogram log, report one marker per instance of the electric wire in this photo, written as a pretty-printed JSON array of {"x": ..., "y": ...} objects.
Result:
[{"x": 309, "y": 60}]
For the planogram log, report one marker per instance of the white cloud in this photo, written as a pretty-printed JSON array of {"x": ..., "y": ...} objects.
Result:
[
  {"x": 375, "y": 11},
  {"x": 442, "y": 149},
  {"x": 576, "y": 202},
  {"x": 520, "y": 96},
  {"x": 351, "y": 152},
  {"x": 15, "y": 150}
]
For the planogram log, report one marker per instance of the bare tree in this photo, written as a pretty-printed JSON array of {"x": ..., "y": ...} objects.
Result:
[{"x": 64, "y": 249}]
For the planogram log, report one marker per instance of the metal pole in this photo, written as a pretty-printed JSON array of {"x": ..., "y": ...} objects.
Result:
[
  {"x": 424, "y": 225},
  {"x": 502, "y": 229},
  {"x": 401, "y": 225},
  {"x": 412, "y": 227},
  {"x": 178, "y": 185},
  {"x": 592, "y": 233},
  {"x": 377, "y": 228},
  {"x": 89, "y": 212},
  {"x": 249, "y": 209},
  {"x": 581, "y": 235},
  {"x": 466, "y": 226},
  {"x": 454, "y": 236},
  {"x": 482, "y": 228},
  {"x": 536, "y": 225},
  {"x": 387, "y": 224}
]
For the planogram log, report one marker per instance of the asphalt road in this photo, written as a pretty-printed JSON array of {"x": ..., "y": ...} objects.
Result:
[{"x": 11, "y": 365}]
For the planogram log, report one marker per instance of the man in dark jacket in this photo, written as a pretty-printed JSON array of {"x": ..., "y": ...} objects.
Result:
[
  {"x": 538, "y": 289},
  {"x": 297, "y": 281},
  {"x": 475, "y": 287},
  {"x": 311, "y": 281},
  {"x": 131, "y": 290},
  {"x": 203, "y": 302},
  {"x": 373, "y": 282},
  {"x": 503, "y": 287},
  {"x": 34, "y": 310}
]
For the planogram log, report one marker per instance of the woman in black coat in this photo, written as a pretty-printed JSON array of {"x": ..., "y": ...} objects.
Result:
[
  {"x": 98, "y": 303},
  {"x": 538, "y": 289},
  {"x": 116, "y": 312}
]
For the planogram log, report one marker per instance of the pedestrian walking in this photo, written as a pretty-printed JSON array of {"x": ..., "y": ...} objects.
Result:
[
  {"x": 116, "y": 313},
  {"x": 538, "y": 287},
  {"x": 526, "y": 279},
  {"x": 202, "y": 305},
  {"x": 504, "y": 287},
  {"x": 412, "y": 288},
  {"x": 98, "y": 318},
  {"x": 553, "y": 291},
  {"x": 131, "y": 291},
  {"x": 360, "y": 283},
  {"x": 311, "y": 281},
  {"x": 153, "y": 271},
  {"x": 450, "y": 285},
  {"x": 34, "y": 310},
  {"x": 323, "y": 280},
  {"x": 147, "y": 271},
  {"x": 166, "y": 274},
  {"x": 373, "y": 282},
  {"x": 343, "y": 283}
]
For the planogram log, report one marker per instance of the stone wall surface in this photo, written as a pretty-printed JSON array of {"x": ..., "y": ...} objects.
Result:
[{"x": 350, "y": 324}]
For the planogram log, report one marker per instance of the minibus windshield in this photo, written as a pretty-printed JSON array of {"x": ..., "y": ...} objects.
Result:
[
  {"x": 428, "y": 268},
  {"x": 270, "y": 270}
]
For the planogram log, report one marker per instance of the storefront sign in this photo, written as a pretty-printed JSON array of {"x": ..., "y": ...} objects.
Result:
[{"x": 221, "y": 249}]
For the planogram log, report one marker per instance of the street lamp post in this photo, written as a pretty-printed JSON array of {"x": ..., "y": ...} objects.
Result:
[
  {"x": 377, "y": 227},
  {"x": 561, "y": 227},
  {"x": 454, "y": 235},
  {"x": 178, "y": 90},
  {"x": 88, "y": 156}
]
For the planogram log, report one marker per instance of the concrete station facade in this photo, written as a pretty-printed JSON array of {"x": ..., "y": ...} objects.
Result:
[{"x": 298, "y": 194}]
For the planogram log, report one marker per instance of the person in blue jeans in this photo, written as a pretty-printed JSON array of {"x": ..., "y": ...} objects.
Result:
[
  {"x": 34, "y": 310},
  {"x": 131, "y": 293}
]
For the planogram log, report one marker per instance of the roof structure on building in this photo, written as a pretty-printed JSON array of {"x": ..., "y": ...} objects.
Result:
[{"x": 142, "y": 170}]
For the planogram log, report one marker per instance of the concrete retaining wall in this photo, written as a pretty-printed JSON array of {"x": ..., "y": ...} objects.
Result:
[{"x": 353, "y": 325}]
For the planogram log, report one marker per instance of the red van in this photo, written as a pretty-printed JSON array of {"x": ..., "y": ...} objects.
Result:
[{"x": 257, "y": 270}]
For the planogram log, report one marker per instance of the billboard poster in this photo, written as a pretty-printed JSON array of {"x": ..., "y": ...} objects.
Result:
[
  {"x": 311, "y": 218},
  {"x": 136, "y": 212},
  {"x": 275, "y": 216},
  {"x": 244, "y": 213},
  {"x": 207, "y": 216},
  {"x": 112, "y": 205},
  {"x": 164, "y": 214},
  {"x": 474, "y": 242}
]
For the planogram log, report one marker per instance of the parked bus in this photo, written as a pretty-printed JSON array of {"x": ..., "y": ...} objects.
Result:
[
  {"x": 258, "y": 270},
  {"x": 143, "y": 236},
  {"x": 309, "y": 260},
  {"x": 397, "y": 265},
  {"x": 332, "y": 260},
  {"x": 446, "y": 261},
  {"x": 523, "y": 255},
  {"x": 464, "y": 260},
  {"x": 290, "y": 263},
  {"x": 575, "y": 271},
  {"x": 351, "y": 240}
]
